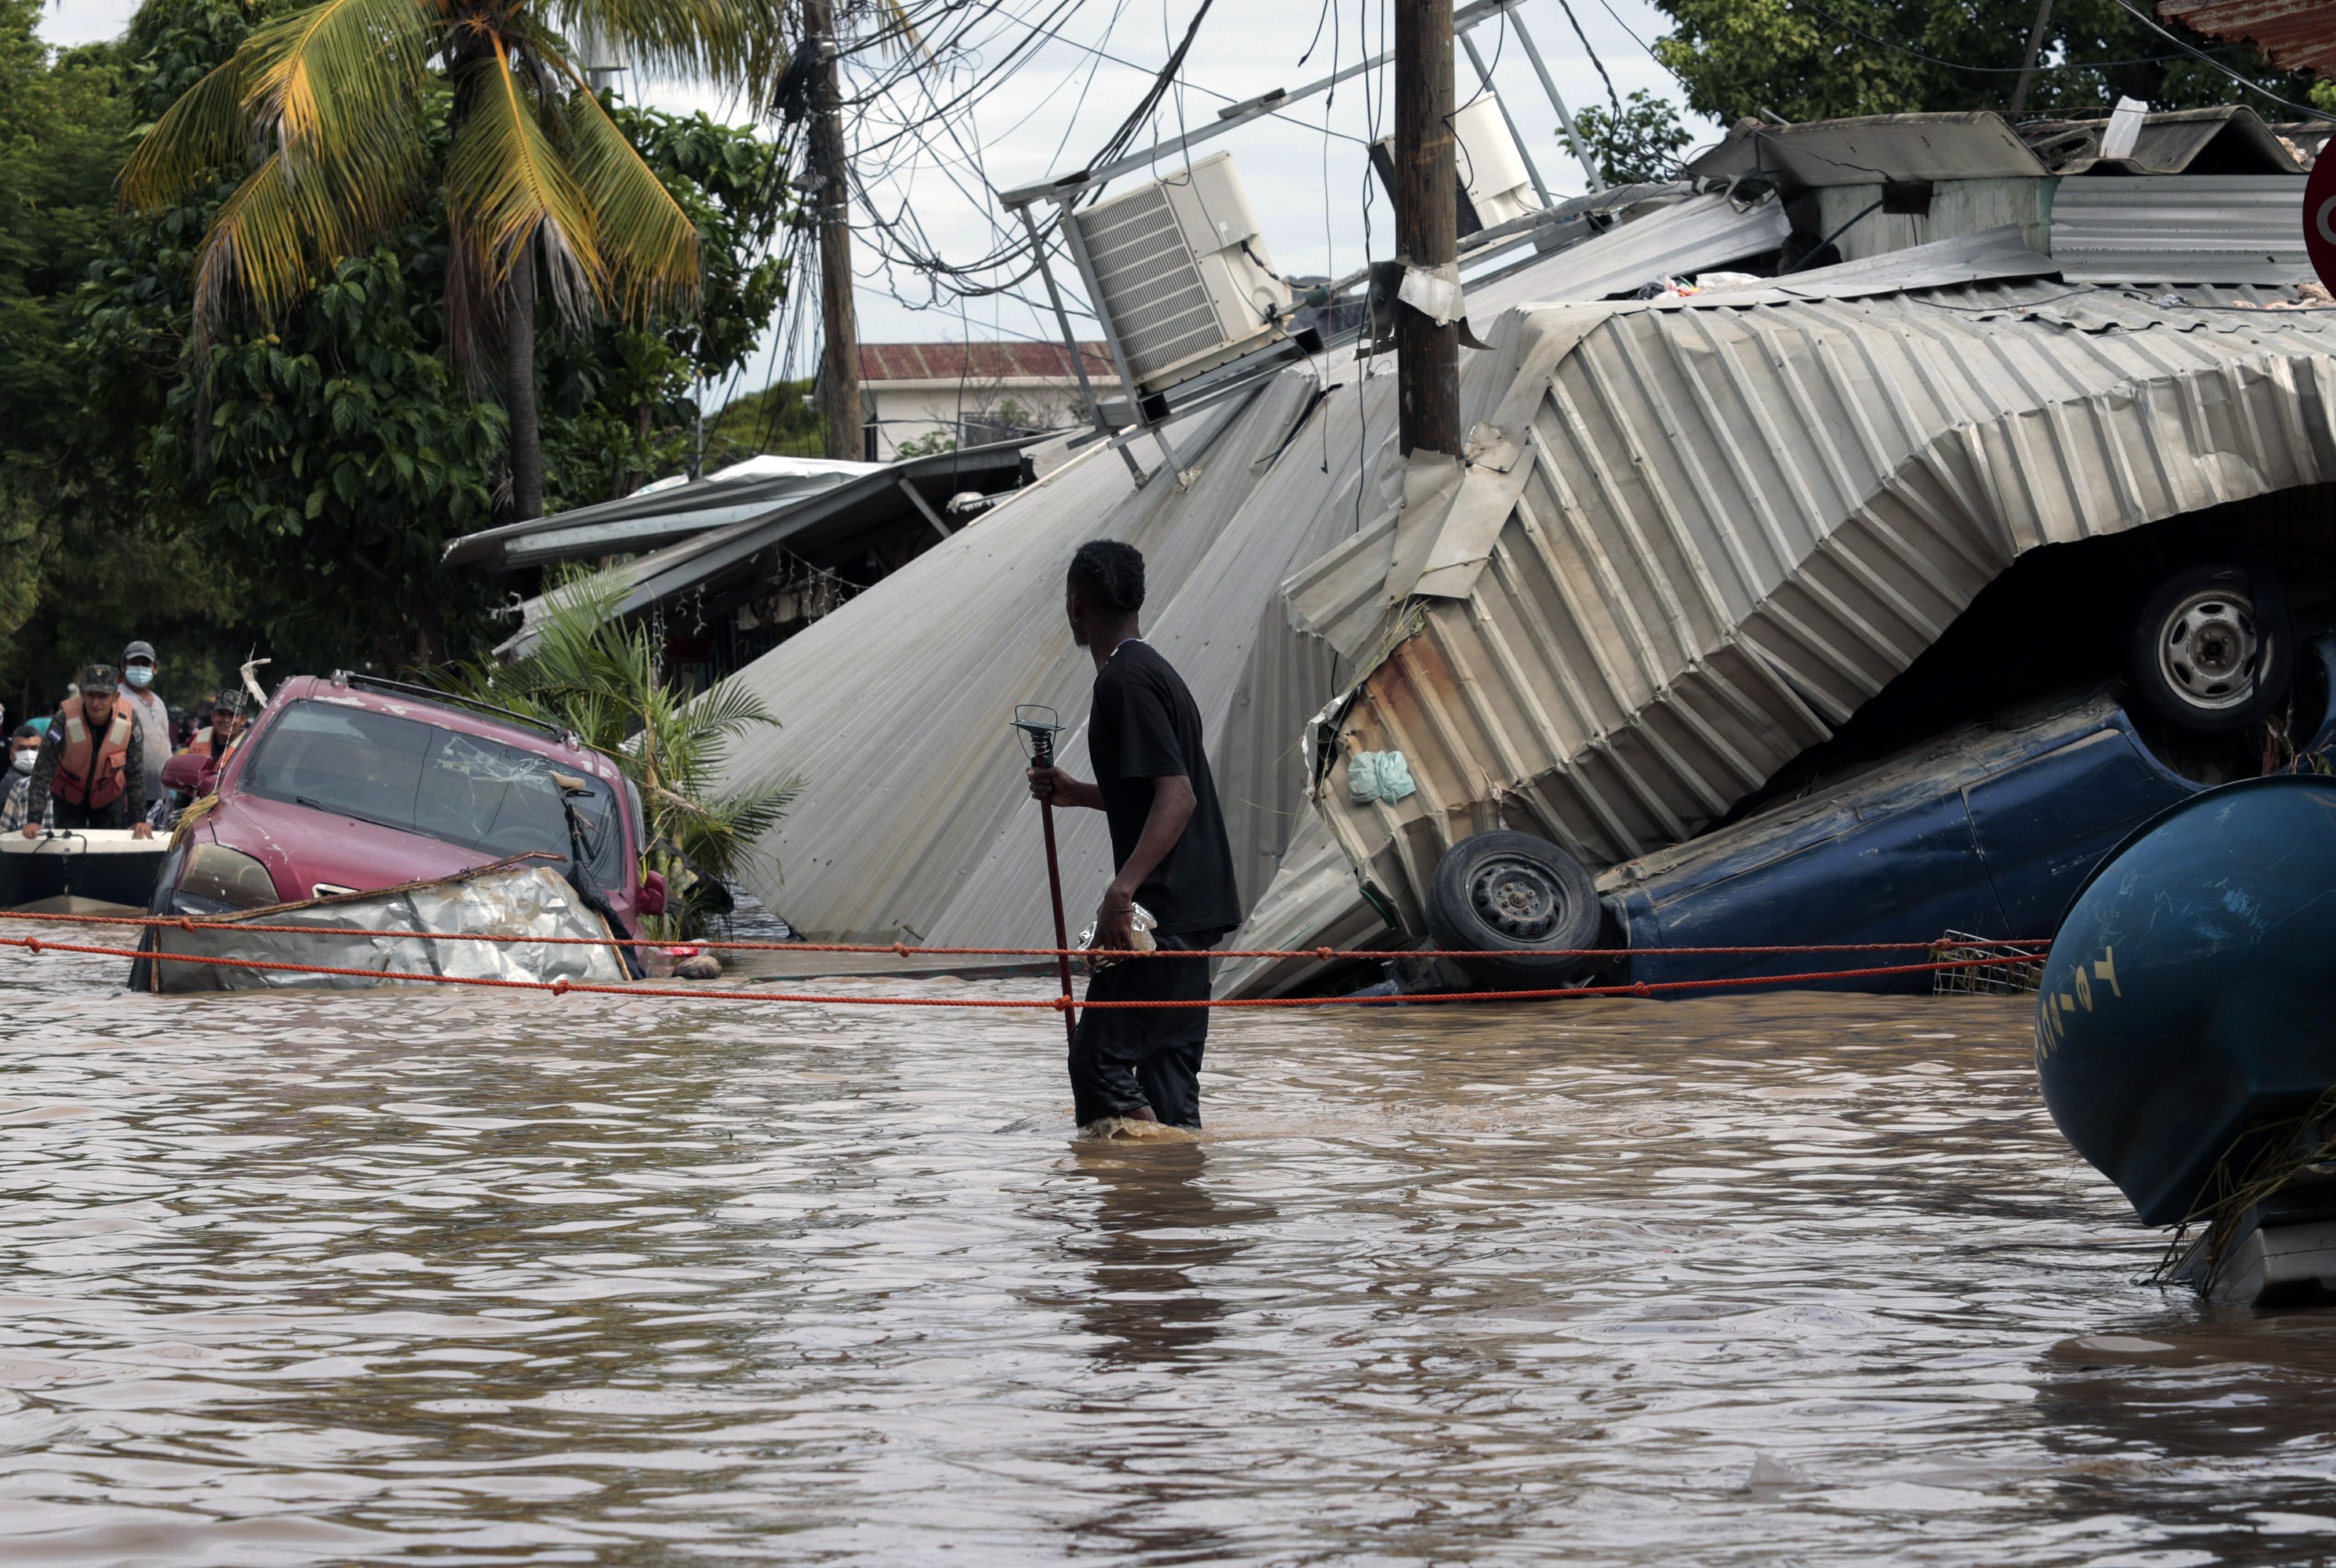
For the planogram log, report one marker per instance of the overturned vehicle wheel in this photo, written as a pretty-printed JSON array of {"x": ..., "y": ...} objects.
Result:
[
  {"x": 2211, "y": 649},
  {"x": 1517, "y": 905}
]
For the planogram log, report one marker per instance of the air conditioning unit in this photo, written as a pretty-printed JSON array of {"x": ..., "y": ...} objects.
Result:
[
  {"x": 1492, "y": 170},
  {"x": 1181, "y": 274}
]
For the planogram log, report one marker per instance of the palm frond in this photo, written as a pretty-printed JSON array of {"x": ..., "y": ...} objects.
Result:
[
  {"x": 726, "y": 42},
  {"x": 262, "y": 241},
  {"x": 336, "y": 86},
  {"x": 508, "y": 191},
  {"x": 649, "y": 243},
  {"x": 198, "y": 133}
]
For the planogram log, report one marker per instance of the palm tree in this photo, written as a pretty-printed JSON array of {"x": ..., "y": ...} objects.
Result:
[{"x": 325, "y": 110}]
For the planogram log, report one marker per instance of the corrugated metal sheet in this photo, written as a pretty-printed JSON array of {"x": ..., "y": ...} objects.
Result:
[
  {"x": 1989, "y": 255},
  {"x": 2180, "y": 228},
  {"x": 1681, "y": 239},
  {"x": 2292, "y": 34},
  {"x": 1739, "y": 521}
]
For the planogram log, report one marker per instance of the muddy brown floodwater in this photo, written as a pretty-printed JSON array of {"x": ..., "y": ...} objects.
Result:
[{"x": 471, "y": 1279}]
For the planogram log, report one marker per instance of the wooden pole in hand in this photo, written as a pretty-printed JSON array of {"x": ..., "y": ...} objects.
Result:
[
  {"x": 1045, "y": 757},
  {"x": 1062, "y": 932}
]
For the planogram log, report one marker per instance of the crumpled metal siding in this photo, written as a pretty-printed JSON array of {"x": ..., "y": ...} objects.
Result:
[
  {"x": 1684, "y": 237},
  {"x": 1743, "y": 522},
  {"x": 2180, "y": 228}
]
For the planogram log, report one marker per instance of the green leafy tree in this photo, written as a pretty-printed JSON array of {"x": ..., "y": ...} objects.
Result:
[
  {"x": 325, "y": 117},
  {"x": 326, "y": 458},
  {"x": 80, "y": 564},
  {"x": 780, "y": 418},
  {"x": 1805, "y": 61},
  {"x": 594, "y": 674},
  {"x": 1640, "y": 142}
]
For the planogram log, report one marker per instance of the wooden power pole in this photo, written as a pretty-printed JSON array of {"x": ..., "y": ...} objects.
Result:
[
  {"x": 1426, "y": 222},
  {"x": 839, "y": 323}
]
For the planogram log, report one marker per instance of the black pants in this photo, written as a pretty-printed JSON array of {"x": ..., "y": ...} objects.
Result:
[{"x": 1125, "y": 1059}]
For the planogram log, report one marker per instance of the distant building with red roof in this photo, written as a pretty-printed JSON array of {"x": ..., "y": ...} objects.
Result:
[{"x": 922, "y": 395}]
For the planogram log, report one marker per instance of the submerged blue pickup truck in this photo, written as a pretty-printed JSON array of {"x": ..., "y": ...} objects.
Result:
[{"x": 1987, "y": 831}]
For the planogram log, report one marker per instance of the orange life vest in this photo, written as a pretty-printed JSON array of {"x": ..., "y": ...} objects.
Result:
[{"x": 92, "y": 781}]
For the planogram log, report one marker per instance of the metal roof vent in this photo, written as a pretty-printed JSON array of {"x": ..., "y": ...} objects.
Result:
[{"x": 1181, "y": 273}]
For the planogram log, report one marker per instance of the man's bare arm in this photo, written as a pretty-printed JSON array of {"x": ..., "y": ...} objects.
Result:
[{"x": 1172, "y": 801}]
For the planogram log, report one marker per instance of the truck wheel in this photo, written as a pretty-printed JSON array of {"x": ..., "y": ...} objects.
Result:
[
  {"x": 2211, "y": 650},
  {"x": 1508, "y": 899}
]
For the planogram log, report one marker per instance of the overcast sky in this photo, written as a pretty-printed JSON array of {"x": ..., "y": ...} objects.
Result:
[{"x": 1062, "y": 100}]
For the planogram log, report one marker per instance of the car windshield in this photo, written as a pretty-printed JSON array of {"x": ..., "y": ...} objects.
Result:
[{"x": 456, "y": 788}]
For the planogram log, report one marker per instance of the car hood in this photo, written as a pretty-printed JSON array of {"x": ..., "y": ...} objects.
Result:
[{"x": 303, "y": 847}]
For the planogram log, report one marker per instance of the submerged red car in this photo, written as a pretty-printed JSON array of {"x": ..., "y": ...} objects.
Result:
[{"x": 355, "y": 784}]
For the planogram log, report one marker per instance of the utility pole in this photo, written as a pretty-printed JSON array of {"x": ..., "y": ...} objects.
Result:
[
  {"x": 1427, "y": 223},
  {"x": 2035, "y": 47},
  {"x": 839, "y": 323}
]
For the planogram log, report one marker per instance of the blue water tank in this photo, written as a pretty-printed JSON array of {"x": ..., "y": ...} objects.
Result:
[{"x": 2191, "y": 991}]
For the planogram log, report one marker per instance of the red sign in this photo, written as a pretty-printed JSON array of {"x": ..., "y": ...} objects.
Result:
[{"x": 2320, "y": 220}]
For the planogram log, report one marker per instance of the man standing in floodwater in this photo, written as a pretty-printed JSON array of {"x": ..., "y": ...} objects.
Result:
[{"x": 1168, "y": 840}]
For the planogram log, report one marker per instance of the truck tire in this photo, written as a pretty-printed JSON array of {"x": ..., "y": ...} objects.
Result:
[
  {"x": 2212, "y": 651},
  {"x": 1510, "y": 900}
]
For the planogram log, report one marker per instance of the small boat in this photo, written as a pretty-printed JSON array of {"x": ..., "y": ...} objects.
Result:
[
  {"x": 2185, "y": 1031},
  {"x": 94, "y": 871}
]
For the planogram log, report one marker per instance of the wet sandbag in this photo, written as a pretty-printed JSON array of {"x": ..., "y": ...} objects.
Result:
[{"x": 2191, "y": 991}]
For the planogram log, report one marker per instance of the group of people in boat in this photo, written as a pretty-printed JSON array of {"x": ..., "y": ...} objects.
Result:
[{"x": 97, "y": 762}]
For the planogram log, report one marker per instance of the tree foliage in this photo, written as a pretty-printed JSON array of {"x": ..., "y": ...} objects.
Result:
[
  {"x": 82, "y": 568},
  {"x": 1641, "y": 143},
  {"x": 1804, "y": 61},
  {"x": 292, "y": 488}
]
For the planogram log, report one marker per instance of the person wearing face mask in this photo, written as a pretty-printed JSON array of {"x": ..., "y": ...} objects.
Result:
[
  {"x": 146, "y": 706},
  {"x": 17, "y": 783}
]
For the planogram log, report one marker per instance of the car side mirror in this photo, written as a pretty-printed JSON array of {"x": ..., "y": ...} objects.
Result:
[
  {"x": 652, "y": 893},
  {"x": 190, "y": 771}
]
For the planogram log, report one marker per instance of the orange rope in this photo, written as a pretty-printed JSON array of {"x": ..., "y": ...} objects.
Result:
[
  {"x": 902, "y": 950},
  {"x": 563, "y": 987}
]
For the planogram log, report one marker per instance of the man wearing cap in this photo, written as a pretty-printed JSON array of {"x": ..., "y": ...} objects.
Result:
[
  {"x": 146, "y": 706},
  {"x": 92, "y": 769}
]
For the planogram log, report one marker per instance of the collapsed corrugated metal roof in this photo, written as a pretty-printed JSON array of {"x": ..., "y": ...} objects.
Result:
[
  {"x": 654, "y": 514},
  {"x": 1696, "y": 534},
  {"x": 831, "y": 520},
  {"x": 1869, "y": 149},
  {"x": 2222, "y": 139},
  {"x": 913, "y": 823}
]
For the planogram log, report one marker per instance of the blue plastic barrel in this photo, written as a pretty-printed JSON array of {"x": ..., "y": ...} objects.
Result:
[{"x": 2191, "y": 991}]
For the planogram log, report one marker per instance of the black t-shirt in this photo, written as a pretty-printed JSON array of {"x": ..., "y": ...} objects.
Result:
[{"x": 1144, "y": 726}]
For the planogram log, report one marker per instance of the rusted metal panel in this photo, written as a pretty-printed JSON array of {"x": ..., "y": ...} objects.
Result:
[{"x": 2292, "y": 34}]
